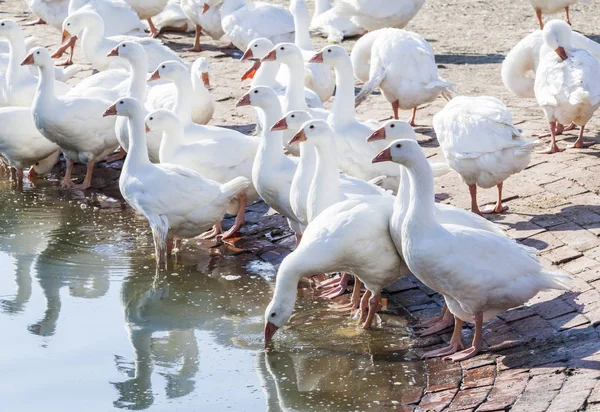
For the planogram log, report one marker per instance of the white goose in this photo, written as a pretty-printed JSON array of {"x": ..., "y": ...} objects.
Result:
[
  {"x": 328, "y": 23},
  {"x": 343, "y": 238},
  {"x": 499, "y": 274},
  {"x": 244, "y": 22},
  {"x": 206, "y": 157},
  {"x": 19, "y": 84},
  {"x": 208, "y": 22},
  {"x": 553, "y": 6},
  {"x": 96, "y": 45},
  {"x": 317, "y": 76},
  {"x": 405, "y": 86},
  {"x": 378, "y": 14},
  {"x": 566, "y": 83},
  {"x": 164, "y": 96},
  {"x": 178, "y": 202},
  {"x": 273, "y": 171},
  {"x": 51, "y": 12},
  {"x": 480, "y": 142},
  {"x": 146, "y": 9},
  {"x": 172, "y": 18},
  {"x": 73, "y": 123}
]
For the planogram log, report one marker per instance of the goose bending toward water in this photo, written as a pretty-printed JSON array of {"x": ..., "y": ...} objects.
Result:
[
  {"x": 499, "y": 273},
  {"x": 406, "y": 85},
  {"x": 567, "y": 82},
  {"x": 178, "y": 202},
  {"x": 553, "y": 6},
  {"x": 378, "y": 14},
  {"x": 480, "y": 142}
]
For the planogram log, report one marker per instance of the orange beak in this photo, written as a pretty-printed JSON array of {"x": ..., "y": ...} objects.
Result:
[
  {"x": 251, "y": 72},
  {"x": 247, "y": 55},
  {"x": 154, "y": 76},
  {"x": 562, "y": 53},
  {"x": 111, "y": 111},
  {"x": 147, "y": 129},
  {"x": 270, "y": 330},
  {"x": 272, "y": 56},
  {"x": 206, "y": 80},
  {"x": 298, "y": 137},
  {"x": 317, "y": 58},
  {"x": 280, "y": 125},
  {"x": 28, "y": 60},
  {"x": 65, "y": 36},
  {"x": 205, "y": 8},
  {"x": 378, "y": 134},
  {"x": 244, "y": 101},
  {"x": 113, "y": 52},
  {"x": 383, "y": 156}
]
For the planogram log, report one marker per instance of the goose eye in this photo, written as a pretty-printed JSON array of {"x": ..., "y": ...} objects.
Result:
[
  {"x": 37, "y": 163},
  {"x": 124, "y": 45},
  {"x": 283, "y": 48},
  {"x": 392, "y": 125},
  {"x": 311, "y": 127},
  {"x": 256, "y": 45},
  {"x": 273, "y": 314},
  {"x": 68, "y": 24},
  {"x": 328, "y": 50},
  {"x": 293, "y": 116},
  {"x": 121, "y": 102},
  {"x": 152, "y": 118},
  {"x": 398, "y": 145},
  {"x": 38, "y": 52},
  {"x": 163, "y": 66},
  {"x": 255, "y": 91},
  {"x": 2, "y": 24}
]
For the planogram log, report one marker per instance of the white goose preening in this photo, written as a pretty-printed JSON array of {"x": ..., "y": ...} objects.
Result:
[
  {"x": 273, "y": 171},
  {"x": 96, "y": 44},
  {"x": 378, "y": 14},
  {"x": 553, "y": 6},
  {"x": 220, "y": 159},
  {"x": 208, "y": 22},
  {"x": 479, "y": 273},
  {"x": 19, "y": 83},
  {"x": 480, "y": 142},
  {"x": 244, "y": 22},
  {"x": 75, "y": 124},
  {"x": 567, "y": 85},
  {"x": 328, "y": 23},
  {"x": 405, "y": 85},
  {"x": 178, "y": 202}
]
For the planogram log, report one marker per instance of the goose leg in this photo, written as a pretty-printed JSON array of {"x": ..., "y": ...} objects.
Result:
[
  {"x": 446, "y": 321},
  {"x": 477, "y": 342},
  {"x": 160, "y": 229},
  {"x": 31, "y": 174},
  {"x": 473, "y": 192},
  {"x": 20, "y": 177},
  {"x": 87, "y": 182},
  {"x": 68, "y": 45},
  {"x": 153, "y": 29},
  {"x": 66, "y": 182},
  {"x": 395, "y": 108},
  {"x": 374, "y": 305},
  {"x": 455, "y": 343},
  {"x": 567, "y": 12},
  {"x": 239, "y": 219},
  {"x": 354, "y": 299},
  {"x": 579, "y": 143},
  {"x": 298, "y": 239},
  {"x": 553, "y": 146},
  {"x": 34, "y": 23},
  {"x": 411, "y": 120},
  {"x": 329, "y": 283},
  {"x": 538, "y": 14},
  {"x": 364, "y": 306},
  {"x": 117, "y": 156},
  {"x": 197, "y": 47},
  {"x": 432, "y": 321},
  {"x": 559, "y": 130},
  {"x": 499, "y": 208},
  {"x": 216, "y": 230},
  {"x": 338, "y": 290}
]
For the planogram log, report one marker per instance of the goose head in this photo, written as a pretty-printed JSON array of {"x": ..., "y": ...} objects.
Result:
[
  {"x": 9, "y": 28},
  {"x": 126, "y": 106},
  {"x": 258, "y": 48},
  {"x": 161, "y": 120},
  {"x": 78, "y": 21},
  {"x": 169, "y": 70},
  {"x": 330, "y": 55},
  {"x": 128, "y": 50},
  {"x": 200, "y": 68},
  {"x": 557, "y": 35},
  {"x": 393, "y": 129},
  {"x": 292, "y": 120},
  {"x": 259, "y": 96},
  {"x": 277, "y": 314},
  {"x": 287, "y": 53},
  {"x": 401, "y": 151},
  {"x": 316, "y": 132},
  {"x": 38, "y": 56}
]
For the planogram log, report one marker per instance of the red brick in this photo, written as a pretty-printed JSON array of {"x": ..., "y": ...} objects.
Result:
[
  {"x": 562, "y": 254},
  {"x": 482, "y": 376},
  {"x": 507, "y": 388},
  {"x": 436, "y": 402},
  {"x": 569, "y": 401},
  {"x": 442, "y": 375},
  {"x": 469, "y": 398},
  {"x": 575, "y": 236}
]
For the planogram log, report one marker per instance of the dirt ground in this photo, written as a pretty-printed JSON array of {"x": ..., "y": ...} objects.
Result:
[{"x": 554, "y": 207}]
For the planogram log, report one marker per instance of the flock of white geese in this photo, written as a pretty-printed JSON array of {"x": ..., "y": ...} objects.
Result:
[{"x": 330, "y": 174}]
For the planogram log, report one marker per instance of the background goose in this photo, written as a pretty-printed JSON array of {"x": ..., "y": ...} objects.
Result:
[
  {"x": 51, "y": 12},
  {"x": 480, "y": 142},
  {"x": 567, "y": 85},
  {"x": 244, "y": 22},
  {"x": 208, "y": 22},
  {"x": 328, "y": 23},
  {"x": 177, "y": 202},
  {"x": 377, "y": 14},
  {"x": 146, "y": 10},
  {"x": 553, "y": 6},
  {"x": 406, "y": 85},
  {"x": 172, "y": 18}
]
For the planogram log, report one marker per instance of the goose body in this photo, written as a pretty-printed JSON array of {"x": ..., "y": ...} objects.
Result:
[
  {"x": 173, "y": 17},
  {"x": 119, "y": 17},
  {"x": 378, "y": 14},
  {"x": 244, "y": 22},
  {"x": 328, "y": 23},
  {"x": 208, "y": 21},
  {"x": 147, "y": 9},
  {"x": 177, "y": 202},
  {"x": 96, "y": 45},
  {"x": 73, "y": 123},
  {"x": 500, "y": 274},
  {"x": 553, "y": 6},
  {"x": 407, "y": 85},
  {"x": 52, "y": 12}
]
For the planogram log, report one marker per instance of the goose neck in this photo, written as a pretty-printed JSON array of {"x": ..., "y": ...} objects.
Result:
[
  {"x": 91, "y": 38},
  {"x": 45, "y": 89},
  {"x": 230, "y": 6},
  {"x": 271, "y": 143},
  {"x": 321, "y": 6},
  {"x": 201, "y": 93},
  {"x": 325, "y": 187},
  {"x": 402, "y": 198},
  {"x": 301, "y": 24},
  {"x": 173, "y": 137},
  {"x": 342, "y": 110},
  {"x": 266, "y": 74},
  {"x": 184, "y": 99},
  {"x": 137, "y": 81},
  {"x": 294, "y": 93},
  {"x": 420, "y": 215},
  {"x": 138, "y": 149},
  {"x": 17, "y": 51}
]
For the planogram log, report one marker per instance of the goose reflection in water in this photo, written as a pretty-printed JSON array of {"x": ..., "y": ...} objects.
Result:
[{"x": 163, "y": 315}]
